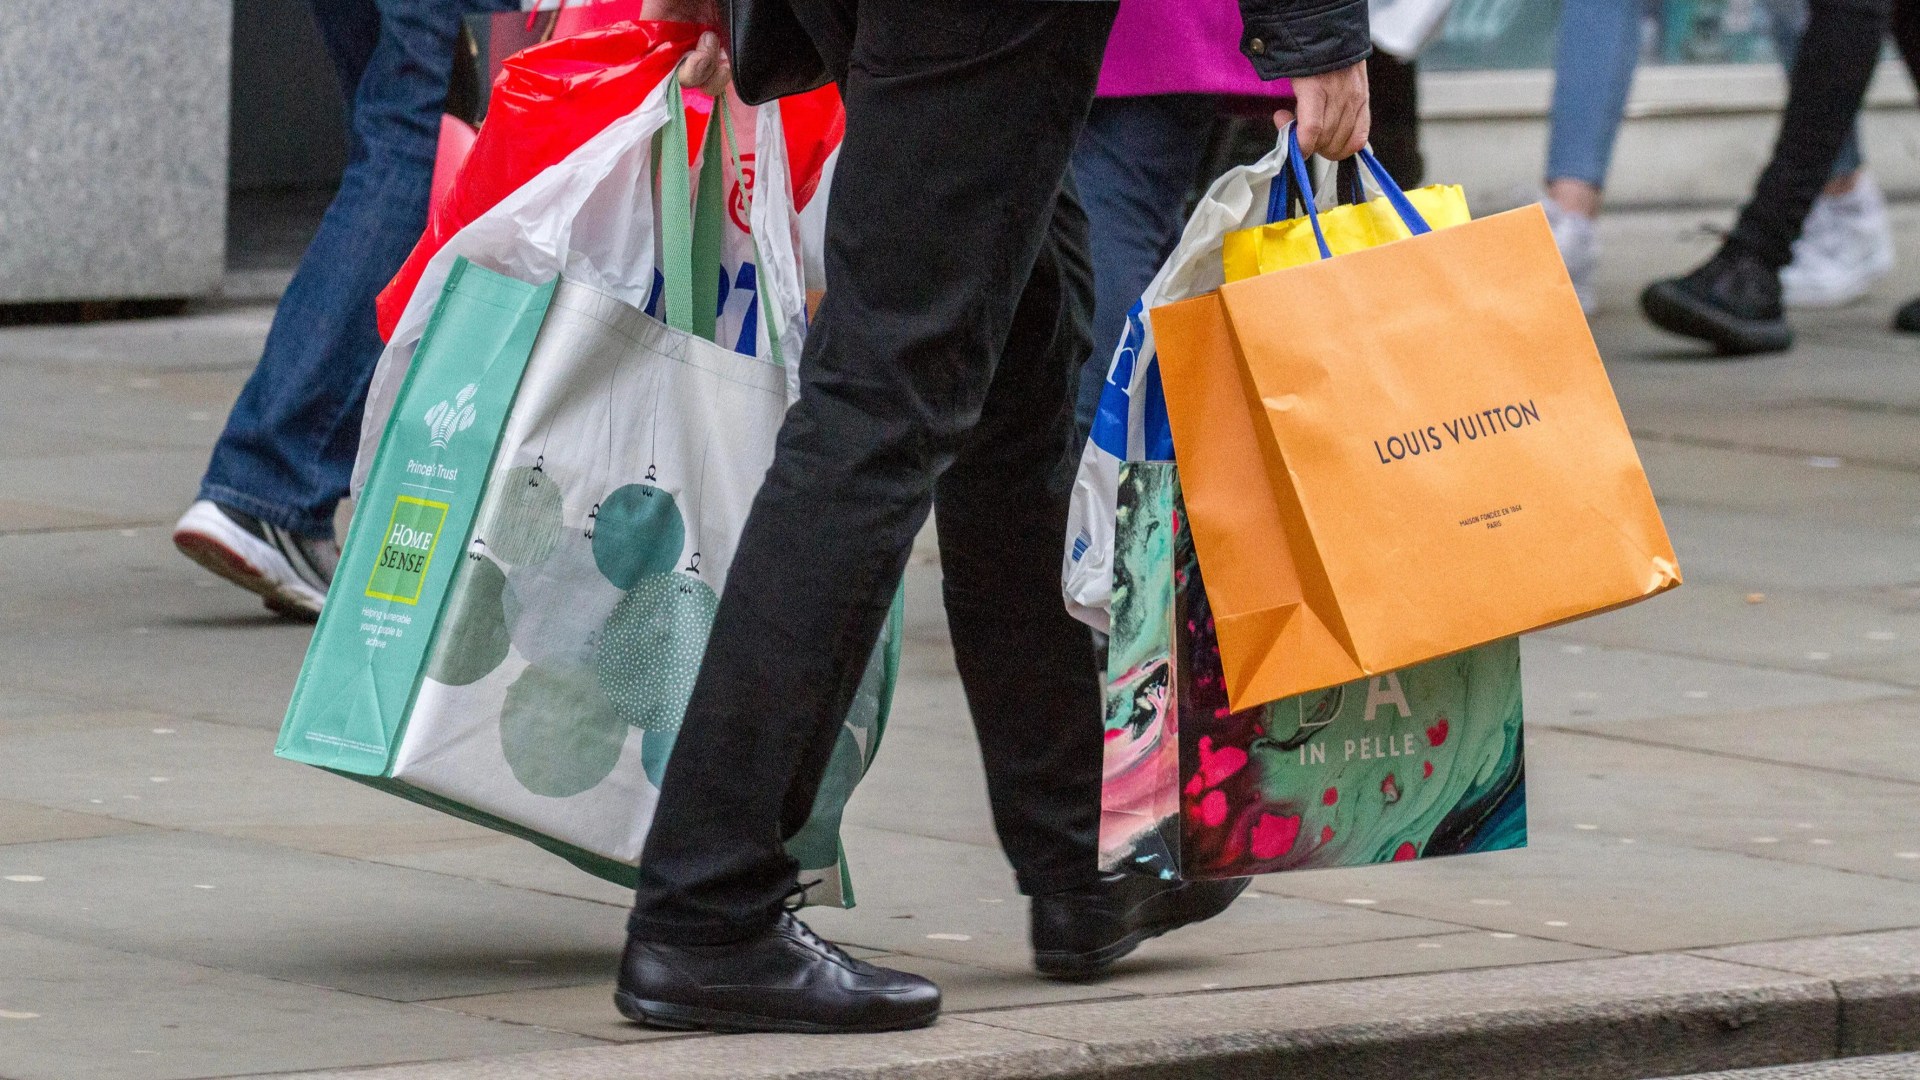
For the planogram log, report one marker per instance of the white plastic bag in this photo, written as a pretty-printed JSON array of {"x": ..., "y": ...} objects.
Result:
[
  {"x": 572, "y": 632},
  {"x": 577, "y": 219},
  {"x": 1404, "y": 27},
  {"x": 1131, "y": 424}
]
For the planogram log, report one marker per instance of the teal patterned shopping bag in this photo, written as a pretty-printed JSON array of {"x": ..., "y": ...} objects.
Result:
[{"x": 1417, "y": 763}]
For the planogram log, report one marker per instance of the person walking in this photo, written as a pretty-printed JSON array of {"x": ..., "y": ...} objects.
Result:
[
  {"x": 1171, "y": 68},
  {"x": 1849, "y": 242},
  {"x": 264, "y": 515},
  {"x": 1171, "y": 84},
  {"x": 1733, "y": 300},
  {"x": 936, "y": 377}
]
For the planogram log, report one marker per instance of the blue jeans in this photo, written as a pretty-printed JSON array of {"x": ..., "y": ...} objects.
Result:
[
  {"x": 288, "y": 448},
  {"x": 1594, "y": 61},
  {"x": 1135, "y": 164}
]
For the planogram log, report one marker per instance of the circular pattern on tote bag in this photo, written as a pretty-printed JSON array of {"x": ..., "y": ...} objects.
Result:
[
  {"x": 472, "y": 638},
  {"x": 655, "y": 748},
  {"x": 554, "y": 609},
  {"x": 523, "y": 520},
  {"x": 638, "y": 532},
  {"x": 651, "y": 647},
  {"x": 817, "y": 844},
  {"x": 559, "y": 732}
]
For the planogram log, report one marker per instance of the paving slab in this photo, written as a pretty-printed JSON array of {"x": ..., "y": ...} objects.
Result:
[
  {"x": 119, "y": 409},
  {"x": 1647, "y": 896},
  {"x": 1568, "y": 683},
  {"x": 1632, "y": 791},
  {"x": 956, "y": 902},
  {"x": 144, "y": 484},
  {"x": 1876, "y": 975},
  {"x": 1866, "y": 634},
  {"x": 221, "y": 338},
  {"x": 1790, "y": 486},
  {"x": 1879, "y": 738},
  {"x": 372, "y": 929},
  {"x": 73, "y": 1011},
  {"x": 215, "y": 778},
  {"x": 965, "y": 988},
  {"x": 505, "y": 860},
  {"x": 1869, "y": 430},
  {"x": 586, "y": 1009},
  {"x": 24, "y": 823},
  {"x": 1764, "y": 550},
  {"x": 1165, "y": 971},
  {"x": 181, "y": 642}
]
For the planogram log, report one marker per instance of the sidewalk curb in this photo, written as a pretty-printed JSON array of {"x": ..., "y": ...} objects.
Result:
[{"x": 1611, "y": 1019}]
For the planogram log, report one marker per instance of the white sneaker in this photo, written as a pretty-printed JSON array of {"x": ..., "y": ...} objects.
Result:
[
  {"x": 289, "y": 571},
  {"x": 1846, "y": 247},
  {"x": 1579, "y": 241}
]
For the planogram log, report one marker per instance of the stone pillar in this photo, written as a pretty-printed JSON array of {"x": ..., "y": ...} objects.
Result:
[{"x": 113, "y": 148}]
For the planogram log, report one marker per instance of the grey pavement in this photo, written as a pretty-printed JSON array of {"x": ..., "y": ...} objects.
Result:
[{"x": 1725, "y": 794}]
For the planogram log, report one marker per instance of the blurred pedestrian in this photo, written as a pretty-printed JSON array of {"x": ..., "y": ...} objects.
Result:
[
  {"x": 264, "y": 516},
  {"x": 937, "y": 377},
  {"x": 1733, "y": 300},
  {"x": 1848, "y": 243},
  {"x": 1172, "y": 68},
  {"x": 1172, "y": 89}
]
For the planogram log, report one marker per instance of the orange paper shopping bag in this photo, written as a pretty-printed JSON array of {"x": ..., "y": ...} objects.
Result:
[{"x": 1401, "y": 453}]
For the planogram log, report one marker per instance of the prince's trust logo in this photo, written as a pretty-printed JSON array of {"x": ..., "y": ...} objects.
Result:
[{"x": 449, "y": 418}]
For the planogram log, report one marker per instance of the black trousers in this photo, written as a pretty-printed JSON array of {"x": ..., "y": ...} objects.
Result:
[
  {"x": 1830, "y": 75},
  {"x": 936, "y": 376}
]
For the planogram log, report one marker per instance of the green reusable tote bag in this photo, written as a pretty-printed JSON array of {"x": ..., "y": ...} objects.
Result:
[
  {"x": 427, "y": 480},
  {"x": 568, "y": 604}
]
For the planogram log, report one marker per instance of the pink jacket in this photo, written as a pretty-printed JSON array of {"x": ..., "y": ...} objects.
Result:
[{"x": 1180, "y": 47}]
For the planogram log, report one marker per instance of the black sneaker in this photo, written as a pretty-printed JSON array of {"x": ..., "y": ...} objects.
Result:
[
  {"x": 1907, "y": 319},
  {"x": 786, "y": 979},
  {"x": 290, "y": 572},
  {"x": 1078, "y": 934},
  {"x": 1732, "y": 302}
]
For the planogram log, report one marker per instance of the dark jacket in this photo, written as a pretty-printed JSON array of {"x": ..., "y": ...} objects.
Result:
[
  {"x": 1304, "y": 37},
  {"x": 772, "y": 57}
]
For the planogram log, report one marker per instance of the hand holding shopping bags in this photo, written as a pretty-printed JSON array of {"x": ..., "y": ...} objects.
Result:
[
  {"x": 1416, "y": 763},
  {"x": 540, "y": 555},
  {"x": 1439, "y": 457}
]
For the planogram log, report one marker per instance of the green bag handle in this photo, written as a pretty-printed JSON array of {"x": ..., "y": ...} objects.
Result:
[{"x": 690, "y": 232}]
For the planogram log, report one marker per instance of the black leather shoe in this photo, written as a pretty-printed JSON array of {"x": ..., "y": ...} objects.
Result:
[
  {"x": 786, "y": 979},
  {"x": 1732, "y": 302},
  {"x": 1080, "y": 933}
]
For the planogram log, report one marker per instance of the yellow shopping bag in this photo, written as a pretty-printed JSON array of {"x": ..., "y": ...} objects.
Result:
[
  {"x": 1401, "y": 453},
  {"x": 1354, "y": 227}
]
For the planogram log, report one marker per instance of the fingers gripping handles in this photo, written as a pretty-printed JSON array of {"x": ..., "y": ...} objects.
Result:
[{"x": 1294, "y": 180}]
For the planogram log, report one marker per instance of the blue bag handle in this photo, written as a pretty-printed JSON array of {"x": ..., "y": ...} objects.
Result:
[{"x": 1277, "y": 192}]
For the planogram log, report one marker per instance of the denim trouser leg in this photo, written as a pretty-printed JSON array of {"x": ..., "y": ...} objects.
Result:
[
  {"x": 1135, "y": 163},
  {"x": 289, "y": 445},
  {"x": 1593, "y": 64},
  {"x": 1787, "y": 19}
]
